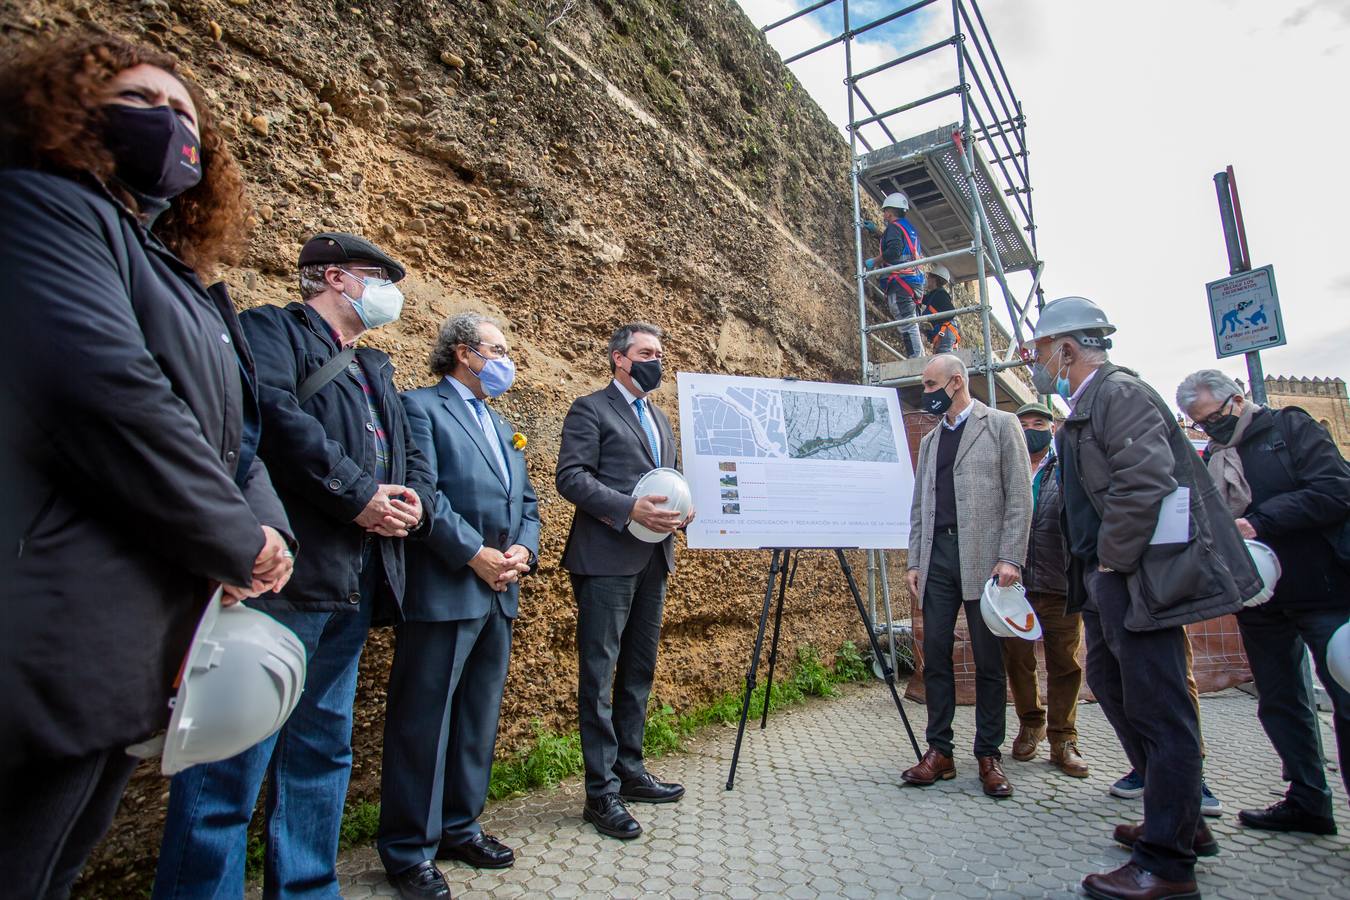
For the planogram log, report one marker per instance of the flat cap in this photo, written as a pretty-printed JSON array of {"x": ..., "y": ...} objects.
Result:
[
  {"x": 339, "y": 247},
  {"x": 1036, "y": 409}
]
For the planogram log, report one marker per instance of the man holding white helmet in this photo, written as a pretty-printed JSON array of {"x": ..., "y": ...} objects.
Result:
[
  {"x": 610, "y": 439},
  {"x": 1286, "y": 484},
  {"x": 336, "y": 441},
  {"x": 1122, "y": 455},
  {"x": 903, "y": 287}
]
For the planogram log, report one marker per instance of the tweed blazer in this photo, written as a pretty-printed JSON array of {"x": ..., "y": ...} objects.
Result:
[{"x": 992, "y": 476}]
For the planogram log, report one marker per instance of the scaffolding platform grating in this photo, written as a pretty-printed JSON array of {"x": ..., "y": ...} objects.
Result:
[{"x": 926, "y": 167}]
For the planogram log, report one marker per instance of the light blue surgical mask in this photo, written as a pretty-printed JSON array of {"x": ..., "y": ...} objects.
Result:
[
  {"x": 497, "y": 375},
  {"x": 1047, "y": 383},
  {"x": 380, "y": 303}
]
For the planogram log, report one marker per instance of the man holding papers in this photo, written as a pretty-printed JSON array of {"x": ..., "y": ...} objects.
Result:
[{"x": 1122, "y": 455}]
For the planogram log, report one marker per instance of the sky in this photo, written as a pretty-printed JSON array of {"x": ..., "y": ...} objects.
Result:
[{"x": 1131, "y": 109}]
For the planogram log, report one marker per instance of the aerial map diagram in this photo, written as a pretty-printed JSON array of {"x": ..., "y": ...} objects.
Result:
[{"x": 783, "y": 424}]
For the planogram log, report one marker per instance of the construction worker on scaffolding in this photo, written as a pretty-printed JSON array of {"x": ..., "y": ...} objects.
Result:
[
  {"x": 942, "y": 334},
  {"x": 903, "y": 287}
]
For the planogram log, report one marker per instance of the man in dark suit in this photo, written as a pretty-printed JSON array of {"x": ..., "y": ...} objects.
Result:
[
  {"x": 453, "y": 646},
  {"x": 610, "y": 439}
]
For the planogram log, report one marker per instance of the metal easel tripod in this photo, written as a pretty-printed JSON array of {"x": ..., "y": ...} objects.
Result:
[{"x": 780, "y": 573}]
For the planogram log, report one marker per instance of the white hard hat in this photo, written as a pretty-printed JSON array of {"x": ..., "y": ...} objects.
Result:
[
  {"x": 241, "y": 680},
  {"x": 940, "y": 271},
  {"x": 664, "y": 482},
  {"x": 1338, "y": 655},
  {"x": 899, "y": 200},
  {"x": 1268, "y": 565},
  {"x": 1007, "y": 613}
]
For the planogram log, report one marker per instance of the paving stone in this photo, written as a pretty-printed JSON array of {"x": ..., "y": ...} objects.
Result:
[{"x": 819, "y": 811}]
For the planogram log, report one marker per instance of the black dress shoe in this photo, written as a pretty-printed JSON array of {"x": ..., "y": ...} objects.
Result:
[
  {"x": 609, "y": 816},
  {"x": 482, "y": 851},
  {"x": 421, "y": 882},
  {"x": 1285, "y": 816},
  {"x": 646, "y": 789}
]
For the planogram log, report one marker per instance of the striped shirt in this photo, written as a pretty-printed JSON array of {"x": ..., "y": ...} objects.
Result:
[{"x": 375, "y": 423}]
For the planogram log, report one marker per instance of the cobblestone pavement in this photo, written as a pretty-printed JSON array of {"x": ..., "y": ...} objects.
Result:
[{"x": 819, "y": 811}]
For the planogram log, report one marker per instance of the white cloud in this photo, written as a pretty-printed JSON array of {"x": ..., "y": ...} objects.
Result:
[{"x": 1131, "y": 109}]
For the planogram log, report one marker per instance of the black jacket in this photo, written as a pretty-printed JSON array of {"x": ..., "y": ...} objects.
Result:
[
  {"x": 122, "y": 401},
  {"x": 322, "y": 458},
  {"x": 1127, "y": 452},
  {"x": 1300, "y": 486},
  {"x": 1044, "y": 570}
]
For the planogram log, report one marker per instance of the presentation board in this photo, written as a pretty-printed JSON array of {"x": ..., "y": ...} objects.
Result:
[{"x": 779, "y": 463}]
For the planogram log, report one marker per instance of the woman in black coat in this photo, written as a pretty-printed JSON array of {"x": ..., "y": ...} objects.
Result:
[{"x": 128, "y": 445}]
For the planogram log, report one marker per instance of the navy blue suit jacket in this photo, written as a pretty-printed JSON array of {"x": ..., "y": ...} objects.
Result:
[{"x": 472, "y": 507}]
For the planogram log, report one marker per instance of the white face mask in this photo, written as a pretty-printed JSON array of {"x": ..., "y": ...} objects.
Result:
[{"x": 380, "y": 303}]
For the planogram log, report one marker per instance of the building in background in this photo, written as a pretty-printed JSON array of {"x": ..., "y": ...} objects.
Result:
[{"x": 1322, "y": 398}]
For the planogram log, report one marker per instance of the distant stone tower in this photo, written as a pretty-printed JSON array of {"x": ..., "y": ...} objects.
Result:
[{"x": 1323, "y": 398}]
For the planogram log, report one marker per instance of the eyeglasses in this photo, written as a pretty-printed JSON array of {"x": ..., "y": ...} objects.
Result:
[
  {"x": 358, "y": 272},
  {"x": 498, "y": 351},
  {"x": 1214, "y": 417}
]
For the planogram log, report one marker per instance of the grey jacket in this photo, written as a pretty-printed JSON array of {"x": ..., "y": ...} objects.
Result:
[
  {"x": 993, "y": 498},
  {"x": 604, "y": 452},
  {"x": 1130, "y": 454}
]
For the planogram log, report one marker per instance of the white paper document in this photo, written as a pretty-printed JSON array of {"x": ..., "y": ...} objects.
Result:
[{"x": 1174, "y": 519}]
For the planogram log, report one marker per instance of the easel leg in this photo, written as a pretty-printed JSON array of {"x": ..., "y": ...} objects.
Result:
[
  {"x": 774, "y": 568},
  {"x": 777, "y": 627},
  {"x": 888, "y": 672}
]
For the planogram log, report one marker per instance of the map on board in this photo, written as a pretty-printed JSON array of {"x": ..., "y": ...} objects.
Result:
[{"x": 785, "y": 424}]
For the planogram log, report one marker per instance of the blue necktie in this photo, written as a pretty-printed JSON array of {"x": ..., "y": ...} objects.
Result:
[
  {"x": 646, "y": 424},
  {"x": 490, "y": 432}
]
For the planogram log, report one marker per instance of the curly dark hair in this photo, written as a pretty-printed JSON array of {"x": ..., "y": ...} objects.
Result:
[{"x": 53, "y": 96}]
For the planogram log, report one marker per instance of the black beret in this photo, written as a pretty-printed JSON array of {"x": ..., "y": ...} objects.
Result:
[{"x": 341, "y": 248}]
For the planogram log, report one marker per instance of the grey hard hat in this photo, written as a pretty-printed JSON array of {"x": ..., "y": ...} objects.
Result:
[{"x": 1076, "y": 316}]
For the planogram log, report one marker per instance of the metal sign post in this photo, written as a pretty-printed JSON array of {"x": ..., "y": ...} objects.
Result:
[{"x": 1244, "y": 312}]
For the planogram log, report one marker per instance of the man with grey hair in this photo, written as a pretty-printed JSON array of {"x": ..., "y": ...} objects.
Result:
[
  {"x": 1123, "y": 456},
  {"x": 969, "y": 523},
  {"x": 610, "y": 439},
  {"x": 1286, "y": 485},
  {"x": 454, "y": 643}
]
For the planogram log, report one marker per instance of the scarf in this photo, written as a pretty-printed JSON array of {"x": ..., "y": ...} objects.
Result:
[{"x": 1225, "y": 466}]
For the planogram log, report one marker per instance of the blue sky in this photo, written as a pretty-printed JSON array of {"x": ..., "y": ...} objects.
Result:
[{"x": 1131, "y": 109}]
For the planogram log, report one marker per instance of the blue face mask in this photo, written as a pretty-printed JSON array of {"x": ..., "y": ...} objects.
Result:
[
  {"x": 497, "y": 375},
  {"x": 1063, "y": 388}
]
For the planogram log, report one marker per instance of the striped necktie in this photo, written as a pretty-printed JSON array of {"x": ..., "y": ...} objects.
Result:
[
  {"x": 490, "y": 432},
  {"x": 646, "y": 424}
]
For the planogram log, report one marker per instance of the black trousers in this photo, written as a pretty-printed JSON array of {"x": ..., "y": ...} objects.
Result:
[
  {"x": 618, "y": 630},
  {"x": 52, "y": 815},
  {"x": 440, "y": 730},
  {"x": 1275, "y": 637},
  {"x": 1139, "y": 678},
  {"x": 941, "y": 602}
]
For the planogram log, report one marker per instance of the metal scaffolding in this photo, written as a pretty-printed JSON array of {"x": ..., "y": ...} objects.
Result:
[{"x": 969, "y": 186}]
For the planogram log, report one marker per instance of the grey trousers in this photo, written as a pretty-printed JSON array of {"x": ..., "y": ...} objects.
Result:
[{"x": 618, "y": 630}]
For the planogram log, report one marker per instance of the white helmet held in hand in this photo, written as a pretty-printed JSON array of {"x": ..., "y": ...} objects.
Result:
[
  {"x": 1338, "y": 655},
  {"x": 899, "y": 200},
  {"x": 1007, "y": 613},
  {"x": 241, "y": 680},
  {"x": 663, "y": 482},
  {"x": 1268, "y": 565}
]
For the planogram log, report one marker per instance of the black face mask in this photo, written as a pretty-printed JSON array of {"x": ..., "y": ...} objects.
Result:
[
  {"x": 646, "y": 374},
  {"x": 1037, "y": 440},
  {"x": 936, "y": 402},
  {"x": 1222, "y": 430},
  {"x": 156, "y": 154}
]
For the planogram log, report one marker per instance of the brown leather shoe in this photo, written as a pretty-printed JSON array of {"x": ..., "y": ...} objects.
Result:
[
  {"x": 1026, "y": 742},
  {"x": 1064, "y": 756},
  {"x": 932, "y": 767},
  {"x": 1203, "y": 845},
  {"x": 995, "y": 783},
  {"x": 1130, "y": 882}
]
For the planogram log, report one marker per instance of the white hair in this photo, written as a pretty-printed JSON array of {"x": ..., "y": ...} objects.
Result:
[{"x": 1219, "y": 386}]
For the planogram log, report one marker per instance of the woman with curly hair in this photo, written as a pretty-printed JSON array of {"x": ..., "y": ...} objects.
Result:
[{"x": 130, "y": 429}]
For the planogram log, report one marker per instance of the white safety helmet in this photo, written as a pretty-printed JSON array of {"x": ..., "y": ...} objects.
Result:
[
  {"x": 1076, "y": 317},
  {"x": 899, "y": 200},
  {"x": 1268, "y": 565},
  {"x": 664, "y": 482},
  {"x": 940, "y": 271},
  {"x": 1007, "y": 613},
  {"x": 241, "y": 680},
  {"x": 1338, "y": 655}
]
